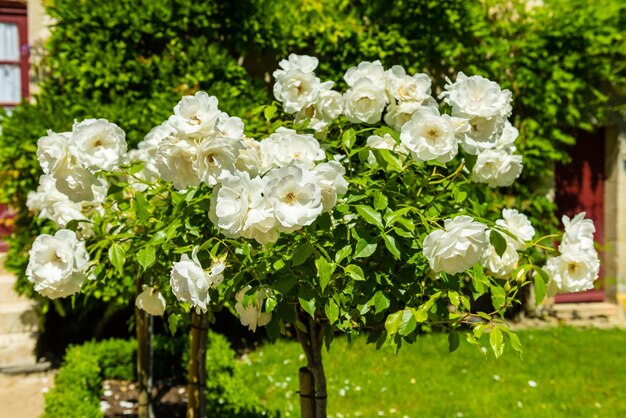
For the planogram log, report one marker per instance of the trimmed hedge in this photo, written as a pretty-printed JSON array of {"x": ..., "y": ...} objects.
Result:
[{"x": 77, "y": 387}]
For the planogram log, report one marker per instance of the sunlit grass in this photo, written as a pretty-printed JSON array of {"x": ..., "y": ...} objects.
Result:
[{"x": 565, "y": 372}]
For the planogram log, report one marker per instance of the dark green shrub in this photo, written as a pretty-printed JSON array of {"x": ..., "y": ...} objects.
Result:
[{"x": 78, "y": 385}]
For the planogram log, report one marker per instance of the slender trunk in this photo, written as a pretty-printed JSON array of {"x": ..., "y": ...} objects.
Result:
[
  {"x": 307, "y": 393},
  {"x": 144, "y": 367},
  {"x": 312, "y": 341},
  {"x": 196, "y": 389}
]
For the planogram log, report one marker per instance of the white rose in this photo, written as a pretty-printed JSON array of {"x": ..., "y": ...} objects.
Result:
[
  {"x": 365, "y": 102},
  {"x": 373, "y": 71},
  {"x": 483, "y": 134},
  {"x": 286, "y": 146},
  {"x": 249, "y": 158},
  {"x": 151, "y": 301},
  {"x": 578, "y": 233},
  {"x": 574, "y": 270},
  {"x": 175, "y": 160},
  {"x": 216, "y": 159},
  {"x": 304, "y": 63},
  {"x": 75, "y": 181},
  {"x": 52, "y": 148},
  {"x": 457, "y": 247},
  {"x": 230, "y": 127},
  {"x": 251, "y": 315},
  {"x": 98, "y": 144},
  {"x": 430, "y": 136},
  {"x": 295, "y": 195},
  {"x": 477, "y": 96},
  {"x": 239, "y": 208},
  {"x": 406, "y": 88},
  {"x": 296, "y": 90},
  {"x": 332, "y": 183},
  {"x": 190, "y": 282},
  {"x": 497, "y": 168},
  {"x": 52, "y": 204},
  {"x": 329, "y": 105},
  {"x": 506, "y": 141},
  {"x": 517, "y": 224},
  {"x": 399, "y": 114},
  {"x": 500, "y": 266},
  {"x": 57, "y": 264},
  {"x": 196, "y": 116}
]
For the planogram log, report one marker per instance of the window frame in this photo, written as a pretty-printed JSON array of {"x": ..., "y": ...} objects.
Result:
[{"x": 11, "y": 12}]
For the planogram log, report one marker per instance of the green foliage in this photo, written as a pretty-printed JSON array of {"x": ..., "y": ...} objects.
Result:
[{"x": 78, "y": 385}]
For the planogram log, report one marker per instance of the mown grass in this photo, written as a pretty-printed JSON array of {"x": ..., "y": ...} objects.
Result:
[{"x": 564, "y": 372}]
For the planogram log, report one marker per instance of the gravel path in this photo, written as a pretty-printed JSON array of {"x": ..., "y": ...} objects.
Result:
[{"x": 21, "y": 395}]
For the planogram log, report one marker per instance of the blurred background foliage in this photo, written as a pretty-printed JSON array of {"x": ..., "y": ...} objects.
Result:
[{"x": 130, "y": 61}]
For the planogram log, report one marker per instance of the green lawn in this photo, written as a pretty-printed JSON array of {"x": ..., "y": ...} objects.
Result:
[{"x": 564, "y": 372}]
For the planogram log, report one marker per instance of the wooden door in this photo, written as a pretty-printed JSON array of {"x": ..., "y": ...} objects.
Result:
[{"x": 579, "y": 186}]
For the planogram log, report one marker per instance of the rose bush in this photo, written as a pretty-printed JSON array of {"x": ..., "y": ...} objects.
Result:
[{"x": 327, "y": 220}]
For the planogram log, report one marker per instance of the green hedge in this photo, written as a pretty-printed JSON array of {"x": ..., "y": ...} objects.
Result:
[{"x": 78, "y": 385}]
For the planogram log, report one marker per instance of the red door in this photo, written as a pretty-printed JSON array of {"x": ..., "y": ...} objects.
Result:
[{"x": 580, "y": 187}]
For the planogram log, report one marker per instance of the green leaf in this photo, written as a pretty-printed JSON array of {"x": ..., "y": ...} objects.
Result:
[
  {"x": 421, "y": 314},
  {"x": 453, "y": 341},
  {"x": 380, "y": 302},
  {"x": 515, "y": 343},
  {"x": 498, "y": 297},
  {"x": 364, "y": 249},
  {"x": 117, "y": 255},
  {"x": 393, "y": 322},
  {"x": 343, "y": 253},
  {"x": 370, "y": 216},
  {"x": 388, "y": 160},
  {"x": 393, "y": 217},
  {"x": 146, "y": 257},
  {"x": 332, "y": 311},
  {"x": 390, "y": 243},
  {"x": 348, "y": 138},
  {"x": 269, "y": 112},
  {"x": 301, "y": 254},
  {"x": 497, "y": 341},
  {"x": 355, "y": 272},
  {"x": 270, "y": 304},
  {"x": 380, "y": 201},
  {"x": 541, "y": 279},
  {"x": 497, "y": 240},
  {"x": 173, "y": 320},
  {"x": 308, "y": 306},
  {"x": 408, "y": 324},
  {"x": 142, "y": 208},
  {"x": 324, "y": 271}
]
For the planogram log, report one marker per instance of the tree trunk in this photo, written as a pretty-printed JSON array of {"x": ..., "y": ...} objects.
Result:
[
  {"x": 307, "y": 393},
  {"x": 312, "y": 341},
  {"x": 144, "y": 366},
  {"x": 196, "y": 389}
]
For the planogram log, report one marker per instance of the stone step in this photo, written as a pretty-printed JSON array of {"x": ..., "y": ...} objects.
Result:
[
  {"x": 18, "y": 350},
  {"x": 17, "y": 317},
  {"x": 7, "y": 294},
  {"x": 569, "y": 311}
]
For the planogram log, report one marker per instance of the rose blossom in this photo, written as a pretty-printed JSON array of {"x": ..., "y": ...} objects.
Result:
[
  {"x": 517, "y": 224},
  {"x": 497, "y": 168},
  {"x": 457, "y": 247},
  {"x": 151, "y": 301},
  {"x": 430, "y": 136},
  {"x": 477, "y": 96},
  {"x": 98, "y": 144},
  {"x": 364, "y": 102},
  {"x": 500, "y": 266},
  {"x": 252, "y": 315},
  {"x": 574, "y": 270},
  {"x": 57, "y": 264},
  {"x": 190, "y": 282}
]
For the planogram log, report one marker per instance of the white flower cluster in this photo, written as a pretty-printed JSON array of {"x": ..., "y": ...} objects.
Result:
[
  {"x": 577, "y": 266},
  {"x": 463, "y": 242},
  {"x": 478, "y": 120},
  {"x": 69, "y": 189},
  {"x": 278, "y": 184},
  {"x": 151, "y": 301},
  {"x": 57, "y": 264},
  {"x": 191, "y": 283},
  {"x": 484, "y": 109}
]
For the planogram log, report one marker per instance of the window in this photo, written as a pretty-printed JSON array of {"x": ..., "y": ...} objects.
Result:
[{"x": 13, "y": 53}]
